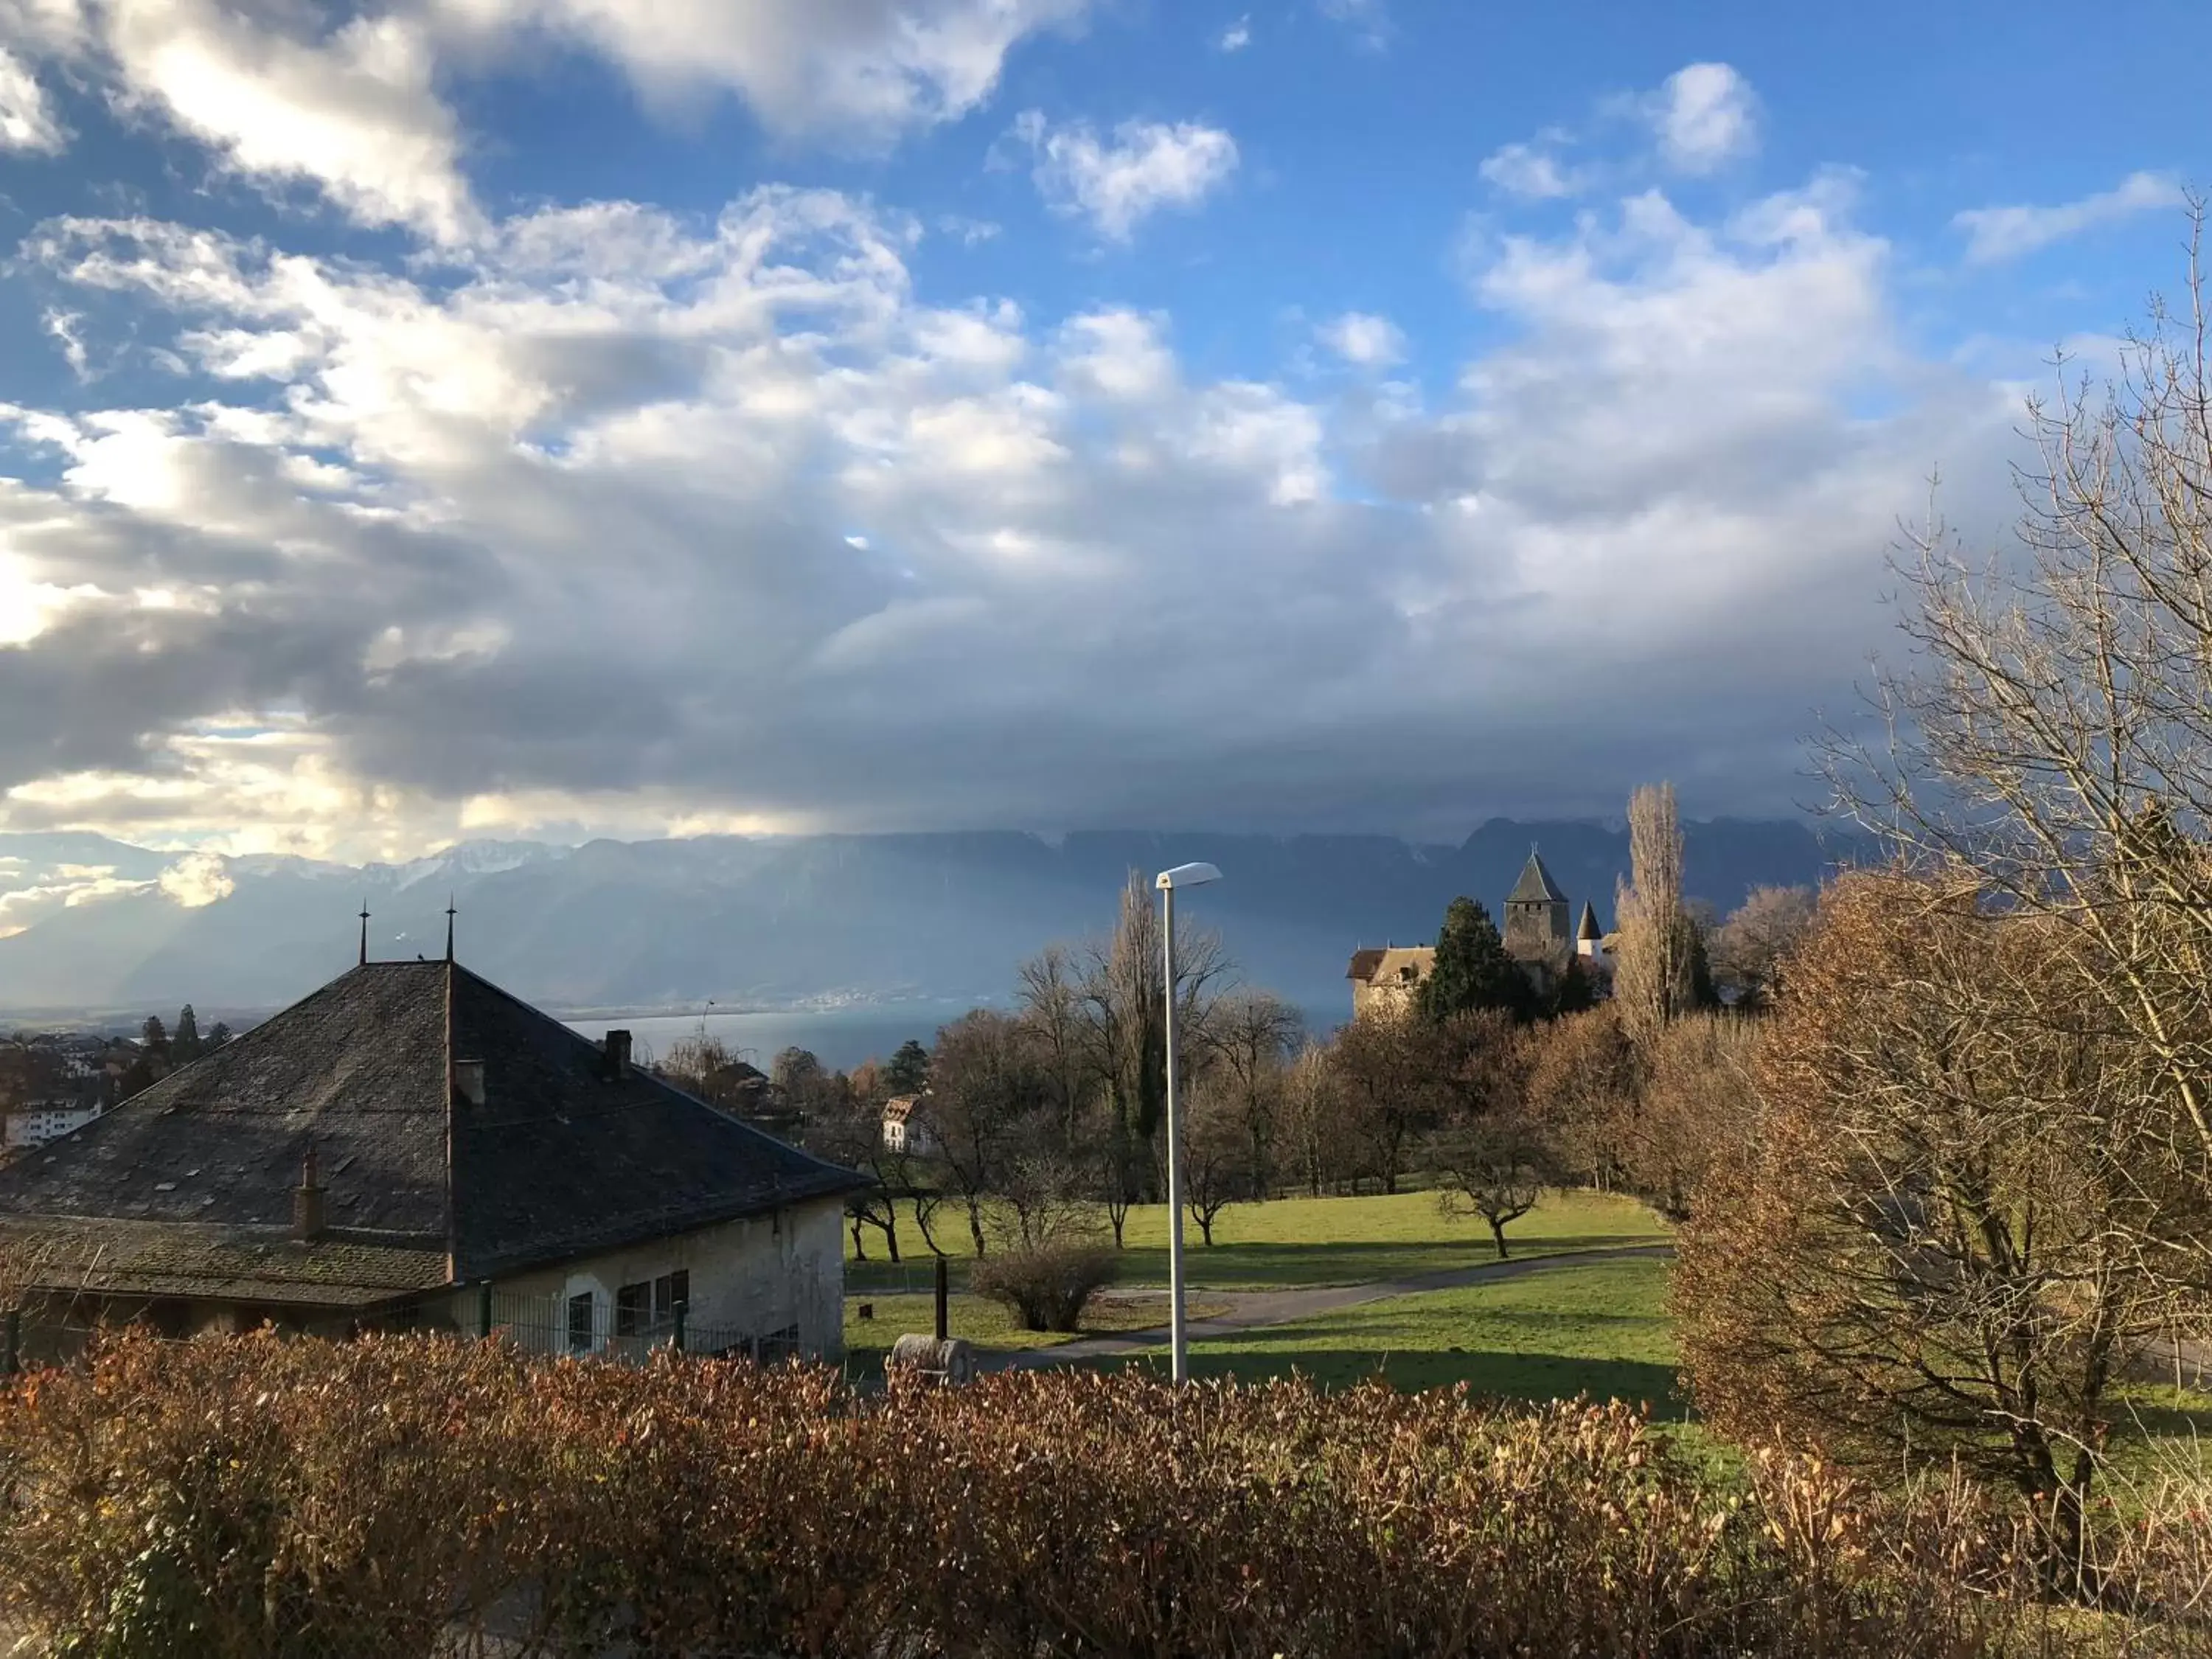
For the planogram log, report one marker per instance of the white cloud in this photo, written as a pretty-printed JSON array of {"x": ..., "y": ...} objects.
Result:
[
  {"x": 840, "y": 69},
  {"x": 625, "y": 519},
  {"x": 1705, "y": 115},
  {"x": 1367, "y": 341},
  {"x": 26, "y": 122},
  {"x": 353, "y": 113},
  {"x": 1147, "y": 165},
  {"x": 968, "y": 232},
  {"x": 1236, "y": 36},
  {"x": 1527, "y": 170},
  {"x": 2007, "y": 232},
  {"x": 1369, "y": 19},
  {"x": 196, "y": 880}
]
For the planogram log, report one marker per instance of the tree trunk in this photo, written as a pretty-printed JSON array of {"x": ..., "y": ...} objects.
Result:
[
  {"x": 860, "y": 1250},
  {"x": 922, "y": 1221},
  {"x": 1205, "y": 1219},
  {"x": 1498, "y": 1232},
  {"x": 890, "y": 1229},
  {"x": 975, "y": 1226}
]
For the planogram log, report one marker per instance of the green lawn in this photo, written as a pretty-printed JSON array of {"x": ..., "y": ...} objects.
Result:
[
  {"x": 1305, "y": 1241},
  {"x": 1596, "y": 1328},
  {"x": 988, "y": 1325}
]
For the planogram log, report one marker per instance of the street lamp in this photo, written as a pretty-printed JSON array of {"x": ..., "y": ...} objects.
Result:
[{"x": 1183, "y": 875}]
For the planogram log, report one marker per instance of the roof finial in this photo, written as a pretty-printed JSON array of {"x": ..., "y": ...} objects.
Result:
[
  {"x": 449, "y": 927},
  {"x": 364, "y": 931}
]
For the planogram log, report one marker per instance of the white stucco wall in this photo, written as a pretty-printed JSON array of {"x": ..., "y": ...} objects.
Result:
[{"x": 749, "y": 1277}]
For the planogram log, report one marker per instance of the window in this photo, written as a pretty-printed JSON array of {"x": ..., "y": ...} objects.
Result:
[
  {"x": 670, "y": 1293},
  {"x": 647, "y": 1308},
  {"x": 633, "y": 1310},
  {"x": 580, "y": 1323}
]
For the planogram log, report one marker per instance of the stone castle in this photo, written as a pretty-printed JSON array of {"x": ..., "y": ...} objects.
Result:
[{"x": 1536, "y": 935}]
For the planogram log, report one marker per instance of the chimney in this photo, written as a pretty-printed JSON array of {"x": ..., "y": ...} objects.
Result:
[
  {"x": 618, "y": 1055},
  {"x": 307, "y": 1202},
  {"x": 468, "y": 1079}
]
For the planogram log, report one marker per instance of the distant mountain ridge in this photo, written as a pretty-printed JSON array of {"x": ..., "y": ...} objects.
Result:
[{"x": 780, "y": 920}]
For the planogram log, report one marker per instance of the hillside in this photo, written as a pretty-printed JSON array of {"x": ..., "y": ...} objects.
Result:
[{"x": 773, "y": 920}]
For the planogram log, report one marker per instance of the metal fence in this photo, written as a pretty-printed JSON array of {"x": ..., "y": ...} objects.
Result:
[
  {"x": 549, "y": 1326},
  {"x": 589, "y": 1326}
]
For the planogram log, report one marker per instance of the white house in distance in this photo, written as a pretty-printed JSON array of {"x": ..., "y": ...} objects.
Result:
[
  {"x": 410, "y": 1147},
  {"x": 38, "y": 1121},
  {"x": 905, "y": 1129}
]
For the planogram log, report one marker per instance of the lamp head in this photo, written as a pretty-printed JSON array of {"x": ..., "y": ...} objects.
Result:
[{"x": 1185, "y": 875}]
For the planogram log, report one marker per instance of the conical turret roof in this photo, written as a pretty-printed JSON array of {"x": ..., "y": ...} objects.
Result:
[
  {"x": 1588, "y": 927},
  {"x": 1536, "y": 885}
]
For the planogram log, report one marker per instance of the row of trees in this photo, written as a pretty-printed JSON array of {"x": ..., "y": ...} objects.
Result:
[{"x": 1046, "y": 1121}]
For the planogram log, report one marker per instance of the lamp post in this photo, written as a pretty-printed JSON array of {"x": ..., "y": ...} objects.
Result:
[{"x": 1183, "y": 875}]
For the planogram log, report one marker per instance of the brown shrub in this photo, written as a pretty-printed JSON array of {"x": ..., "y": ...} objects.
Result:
[
  {"x": 407, "y": 1495},
  {"x": 1046, "y": 1287}
]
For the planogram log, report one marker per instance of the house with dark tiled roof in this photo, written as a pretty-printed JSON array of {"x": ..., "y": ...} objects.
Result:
[{"x": 410, "y": 1145}]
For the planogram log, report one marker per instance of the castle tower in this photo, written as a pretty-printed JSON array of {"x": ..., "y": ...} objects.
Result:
[
  {"x": 1536, "y": 918},
  {"x": 1589, "y": 941}
]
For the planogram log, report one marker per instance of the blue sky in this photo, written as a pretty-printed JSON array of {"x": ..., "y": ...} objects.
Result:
[{"x": 558, "y": 417}]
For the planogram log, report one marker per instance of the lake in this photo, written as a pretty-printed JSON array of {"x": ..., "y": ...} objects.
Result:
[{"x": 840, "y": 1038}]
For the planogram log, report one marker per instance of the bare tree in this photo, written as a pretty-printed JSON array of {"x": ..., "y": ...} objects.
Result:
[
  {"x": 1249, "y": 1035},
  {"x": 1940, "y": 1244},
  {"x": 1124, "y": 999},
  {"x": 987, "y": 1088},
  {"x": 1492, "y": 1166},
  {"x": 1652, "y": 971},
  {"x": 1584, "y": 1081},
  {"x": 1052, "y": 1000},
  {"x": 1311, "y": 1127},
  {"x": 1394, "y": 1074},
  {"x": 1108, "y": 1158},
  {"x": 1751, "y": 947},
  {"x": 1692, "y": 1110},
  {"x": 847, "y": 1129},
  {"x": 2057, "y": 736},
  {"x": 1215, "y": 1145}
]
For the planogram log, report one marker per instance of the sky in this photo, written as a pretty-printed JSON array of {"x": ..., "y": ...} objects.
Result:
[{"x": 551, "y": 418}]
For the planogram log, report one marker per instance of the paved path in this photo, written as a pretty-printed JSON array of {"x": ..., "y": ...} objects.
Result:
[{"x": 1250, "y": 1310}]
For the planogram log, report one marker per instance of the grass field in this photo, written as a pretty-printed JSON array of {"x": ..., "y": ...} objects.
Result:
[
  {"x": 1305, "y": 1241},
  {"x": 1596, "y": 1327},
  {"x": 988, "y": 1325}
]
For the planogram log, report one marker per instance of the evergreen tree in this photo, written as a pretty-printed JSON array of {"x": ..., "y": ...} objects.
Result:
[
  {"x": 185, "y": 1044},
  {"x": 1574, "y": 994},
  {"x": 1704, "y": 993},
  {"x": 153, "y": 1035},
  {"x": 909, "y": 1070},
  {"x": 1471, "y": 969},
  {"x": 218, "y": 1034}
]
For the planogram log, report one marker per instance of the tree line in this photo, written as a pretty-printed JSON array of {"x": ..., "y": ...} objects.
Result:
[{"x": 1044, "y": 1122}]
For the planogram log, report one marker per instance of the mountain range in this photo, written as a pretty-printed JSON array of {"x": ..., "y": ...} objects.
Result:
[{"x": 96, "y": 926}]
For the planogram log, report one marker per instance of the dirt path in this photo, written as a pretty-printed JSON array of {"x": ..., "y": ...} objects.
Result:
[{"x": 1250, "y": 1310}]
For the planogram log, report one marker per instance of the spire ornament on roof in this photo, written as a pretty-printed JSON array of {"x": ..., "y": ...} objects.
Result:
[
  {"x": 364, "y": 933},
  {"x": 450, "y": 914}
]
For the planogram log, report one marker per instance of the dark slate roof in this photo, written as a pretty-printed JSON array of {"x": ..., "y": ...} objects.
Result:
[
  {"x": 560, "y": 1160},
  {"x": 1588, "y": 927},
  {"x": 1536, "y": 885},
  {"x": 231, "y": 1264},
  {"x": 1364, "y": 964}
]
